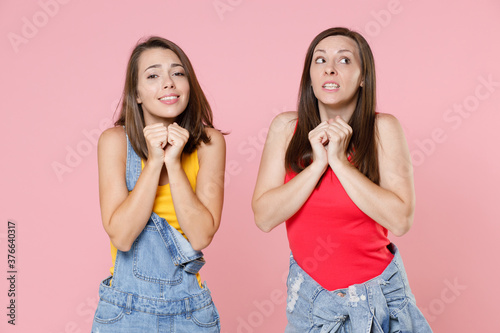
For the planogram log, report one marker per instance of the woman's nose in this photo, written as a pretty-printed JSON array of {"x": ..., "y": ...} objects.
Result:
[
  {"x": 330, "y": 70},
  {"x": 168, "y": 83}
]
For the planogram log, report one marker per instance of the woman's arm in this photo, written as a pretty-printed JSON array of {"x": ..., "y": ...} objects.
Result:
[
  {"x": 392, "y": 203},
  {"x": 273, "y": 201},
  {"x": 124, "y": 215},
  {"x": 199, "y": 213}
]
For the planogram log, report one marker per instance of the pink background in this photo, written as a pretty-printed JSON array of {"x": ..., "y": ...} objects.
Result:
[{"x": 61, "y": 81}]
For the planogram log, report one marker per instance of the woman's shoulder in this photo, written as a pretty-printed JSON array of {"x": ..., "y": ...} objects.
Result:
[
  {"x": 113, "y": 140},
  {"x": 112, "y": 134},
  {"x": 386, "y": 122},
  {"x": 216, "y": 145},
  {"x": 286, "y": 118},
  {"x": 215, "y": 136},
  {"x": 386, "y": 119},
  {"x": 388, "y": 128},
  {"x": 284, "y": 123}
]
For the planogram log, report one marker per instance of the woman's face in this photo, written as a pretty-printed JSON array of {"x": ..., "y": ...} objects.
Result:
[
  {"x": 162, "y": 87},
  {"x": 336, "y": 72}
]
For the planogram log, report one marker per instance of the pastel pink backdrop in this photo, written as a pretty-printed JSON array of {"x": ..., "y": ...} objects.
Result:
[{"x": 62, "y": 70}]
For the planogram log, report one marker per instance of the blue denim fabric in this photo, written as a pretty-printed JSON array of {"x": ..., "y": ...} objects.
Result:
[
  {"x": 154, "y": 287},
  {"x": 382, "y": 304}
]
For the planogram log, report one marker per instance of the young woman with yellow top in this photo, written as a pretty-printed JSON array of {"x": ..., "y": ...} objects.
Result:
[{"x": 161, "y": 181}]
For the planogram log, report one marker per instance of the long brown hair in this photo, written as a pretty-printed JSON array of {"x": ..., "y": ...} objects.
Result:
[
  {"x": 196, "y": 117},
  {"x": 362, "y": 146}
]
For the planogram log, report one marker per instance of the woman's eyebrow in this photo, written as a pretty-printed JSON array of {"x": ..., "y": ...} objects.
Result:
[
  {"x": 159, "y": 66},
  {"x": 153, "y": 66},
  {"x": 339, "y": 51},
  {"x": 345, "y": 50}
]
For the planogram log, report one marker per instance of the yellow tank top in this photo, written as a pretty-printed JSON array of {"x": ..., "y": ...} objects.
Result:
[{"x": 164, "y": 206}]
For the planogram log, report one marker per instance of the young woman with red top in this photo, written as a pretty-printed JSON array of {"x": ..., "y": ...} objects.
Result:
[{"x": 342, "y": 177}]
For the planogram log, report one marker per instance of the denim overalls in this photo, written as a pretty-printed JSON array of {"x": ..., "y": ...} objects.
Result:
[
  {"x": 154, "y": 286},
  {"x": 381, "y": 305}
]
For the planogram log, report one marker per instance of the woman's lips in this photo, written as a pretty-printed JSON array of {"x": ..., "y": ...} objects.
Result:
[
  {"x": 330, "y": 86},
  {"x": 169, "y": 99}
]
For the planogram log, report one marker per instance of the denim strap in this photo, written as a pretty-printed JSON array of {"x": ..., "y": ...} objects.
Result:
[{"x": 181, "y": 251}]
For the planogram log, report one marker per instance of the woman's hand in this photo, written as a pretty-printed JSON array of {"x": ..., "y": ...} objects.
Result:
[
  {"x": 318, "y": 138},
  {"x": 156, "y": 140},
  {"x": 338, "y": 133},
  {"x": 165, "y": 144},
  {"x": 177, "y": 138}
]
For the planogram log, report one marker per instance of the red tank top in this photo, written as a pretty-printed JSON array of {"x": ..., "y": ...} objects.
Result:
[{"x": 333, "y": 241}]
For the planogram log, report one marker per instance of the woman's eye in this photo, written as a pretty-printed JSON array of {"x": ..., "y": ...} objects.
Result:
[
  {"x": 152, "y": 76},
  {"x": 178, "y": 74},
  {"x": 320, "y": 61},
  {"x": 345, "y": 61}
]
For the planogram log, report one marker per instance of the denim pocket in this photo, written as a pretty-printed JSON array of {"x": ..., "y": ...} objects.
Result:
[
  {"x": 394, "y": 294},
  {"x": 152, "y": 260},
  {"x": 397, "y": 305},
  {"x": 408, "y": 318},
  {"x": 206, "y": 317},
  {"x": 108, "y": 313}
]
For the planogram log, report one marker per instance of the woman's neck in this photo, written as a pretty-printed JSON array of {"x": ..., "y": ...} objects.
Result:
[
  {"x": 327, "y": 113},
  {"x": 150, "y": 120}
]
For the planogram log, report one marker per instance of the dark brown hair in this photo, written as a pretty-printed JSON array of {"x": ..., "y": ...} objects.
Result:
[
  {"x": 196, "y": 117},
  {"x": 362, "y": 146}
]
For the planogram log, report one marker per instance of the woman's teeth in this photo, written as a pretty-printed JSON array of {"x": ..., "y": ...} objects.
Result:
[
  {"x": 331, "y": 86},
  {"x": 168, "y": 98}
]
